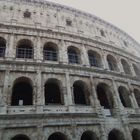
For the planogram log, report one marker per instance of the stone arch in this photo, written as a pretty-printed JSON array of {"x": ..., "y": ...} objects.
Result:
[
  {"x": 137, "y": 96},
  {"x": 53, "y": 92},
  {"x": 2, "y": 46},
  {"x": 73, "y": 55},
  {"x": 94, "y": 58},
  {"x": 136, "y": 134},
  {"x": 124, "y": 96},
  {"x": 50, "y": 51},
  {"x": 136, "y": 69},
  {"x": 22, "y": 92},
  {"x": 112, "y": 63},
  {"x": 57, "y": 136},
  {"x": 116, "y": 135},
  {"x": 81, "y": 93},
  {"x": 105, "y": 96},
  {"x": 89, "y": 135},
  {"x": 126, "y": 66},
  {"x": 20, "y": 137},
  {"x": 24, "y": 49}
]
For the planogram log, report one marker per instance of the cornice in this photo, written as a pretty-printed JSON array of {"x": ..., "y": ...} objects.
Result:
[{"x": 78, "y": 12}]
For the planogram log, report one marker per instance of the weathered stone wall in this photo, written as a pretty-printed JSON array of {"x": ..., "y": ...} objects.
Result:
[{"x": 48, "y": 24}]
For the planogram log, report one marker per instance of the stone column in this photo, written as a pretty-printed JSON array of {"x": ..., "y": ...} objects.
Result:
[
  {"x": 40, "y": 135},
  {"x": 39, "y": 93},
  {"x": 10, "y": 51},
  {"x": 132, "y": 69},
  {"x": 120, "y": 65},
  {"x": 69, "y": 93},
  {"x": 135, "y": 104},
  {"x": 117, "y": 97},
  {"x": 5, "y": 98},
  {"x": 38, "y": 50},
  {"x": 94, "y": 94},
  {"x": 84, "y": 56},
  {"x": 128, "y": 135},
  {"x": 104, "y": 60},
  {"x": 103, "y": 133},
  {"x": 63, "y": 53}
]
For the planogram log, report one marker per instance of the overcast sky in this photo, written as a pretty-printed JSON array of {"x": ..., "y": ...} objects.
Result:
[{"x": 124, "y": 14}]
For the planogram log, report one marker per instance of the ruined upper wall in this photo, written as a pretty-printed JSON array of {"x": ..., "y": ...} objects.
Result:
[{"x": 56, "y": 17}]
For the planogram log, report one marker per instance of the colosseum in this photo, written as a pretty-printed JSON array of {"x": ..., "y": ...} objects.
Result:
[{"x": 66, "y": 75}]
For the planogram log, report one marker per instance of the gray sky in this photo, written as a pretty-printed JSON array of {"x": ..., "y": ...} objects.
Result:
[{"x": 124, "y": 14}]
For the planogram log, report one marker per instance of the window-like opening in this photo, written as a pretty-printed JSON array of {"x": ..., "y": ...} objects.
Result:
[
  {"x": 136, "y": 69},
  {"x": 115, "y": 135},
  {"x": 125, "y": 43},
  {"x": 124, "y": 96},
  {"x": 136, "y": 134},
  {"x": 2, "y": 47},
  {"x": 81, "y": 93},
  {"x": 112, "y": 63},
  {"x": 53, "y": 93},
  {"x": 73, "y": 55},
  {"x": 137, "y": 96},
  {"x": 126, "y": 67},
  {"x": 22, "y": 92},
  {"x": 105, "y": 96},
  {"x": 94, "y": 58},
  {"x": 24, "y": 49},
  {"x": 50, "y": 51},
  {"x": 88, "y": 135},
  {"x": 102, "y": 33},
  {"x": 27, "y": 14},
  {"x": 68, "y": 22},
  {"x": 20, "y": 137},
  {"x": 57, "y": 136}
]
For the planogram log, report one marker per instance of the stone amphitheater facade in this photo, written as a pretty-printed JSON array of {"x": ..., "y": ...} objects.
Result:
[{"x": 66, "y": 75}]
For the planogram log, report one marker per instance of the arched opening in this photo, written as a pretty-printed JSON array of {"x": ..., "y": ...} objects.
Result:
[
  {"x": 124, "y": 96},
  {"x": 136, "y": 134},
  {"x": 53, "y": 93},
  {"x": 81, "y": 93},
  {"x": 20, "y": 137},
  {"x": 2, "y": 47},
  {"x": 24, "y": 49},
  {"x": 112, "y": 63},
  {"x": 94, "y": 59},
  {"x": 136, "y": 69},
  {"x": 88, "y": 135},
  {"x": 22, "y": 92},
  {"x": 137, "y": 96},
  {"x": 50, "y": 52},
  {"x": 73, "y": 55},
  {"x": 115, "y": 135},
  {"x": 105, "y": 96},
  {"x": 57, "y": 136},
  {"x": 126, "y": 67}
]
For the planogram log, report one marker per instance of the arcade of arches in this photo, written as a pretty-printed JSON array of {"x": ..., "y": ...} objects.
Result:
[{"x": 114, "y": 134}]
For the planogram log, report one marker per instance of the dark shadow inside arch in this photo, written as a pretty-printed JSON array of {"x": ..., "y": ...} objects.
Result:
[
  {"x": 2, "y": 47},
  {"x": 94, "y": 59},
  {"x": 88, "y": 135},
  {"x": 57, "y": 136},
  {"x": 73, "y": 55},
  {"x": 115, "y": 135},
  {"x": 112, "y": 63},
  {"x": 50, "y": 51},
  {"x": 81, "y": 94},
  {"x": 22, "y": 92},
  {"x": 124, "y": 96},
  {"x": 20, "y": 137},
  {"x": 105, "y": 96},
  {"x": 24, "y": 49},
  {"x": 53, "y": 92},
  {"x": 137, "y": 96},
  {"x": 136, "y": 134}
]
